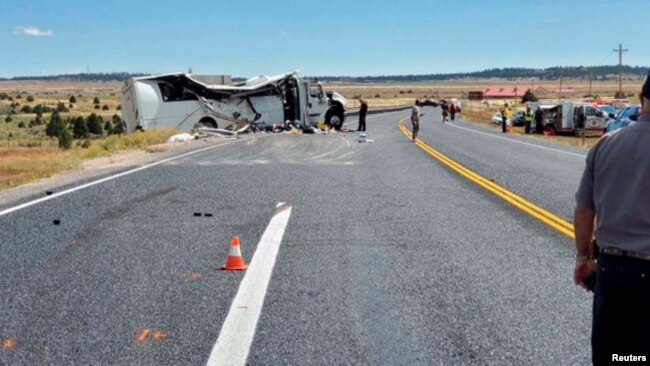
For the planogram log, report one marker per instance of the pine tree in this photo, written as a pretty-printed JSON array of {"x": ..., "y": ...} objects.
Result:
[
  {"x": 94, "y": 124},
  {"x": 55, "y": 127},
  {"x": 65, "y": 139},
  {"x": 80, "y": 129}
]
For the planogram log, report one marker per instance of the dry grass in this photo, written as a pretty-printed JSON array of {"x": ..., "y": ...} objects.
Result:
[{"x": 22, "y": 165}]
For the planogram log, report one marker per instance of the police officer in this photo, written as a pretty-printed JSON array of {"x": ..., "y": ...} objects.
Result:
[
  {"x": 363, "y": 110},
  {"x": 614, "y": 199},
  {"x": 528, "y": 119}
]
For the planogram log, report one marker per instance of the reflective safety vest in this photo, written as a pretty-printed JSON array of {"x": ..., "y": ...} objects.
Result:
[{"x": 528, "y": 116}]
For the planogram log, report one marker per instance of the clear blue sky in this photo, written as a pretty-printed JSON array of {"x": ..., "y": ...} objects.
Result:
[{"x": 328, "y": 37}]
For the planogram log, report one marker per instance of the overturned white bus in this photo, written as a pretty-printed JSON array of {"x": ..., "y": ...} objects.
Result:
[{"x": 188, "y": 101}]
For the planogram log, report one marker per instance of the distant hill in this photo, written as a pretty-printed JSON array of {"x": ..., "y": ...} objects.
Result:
[
  {"x": 99, "y": 76},
  {"x": 551, "y": 73}
]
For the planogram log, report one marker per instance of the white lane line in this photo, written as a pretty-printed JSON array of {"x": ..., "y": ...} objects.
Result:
[
  {"x": 238, "y": 329},
  {"x": 106, "y": 179},
  {"x": 518, "y": 142}
]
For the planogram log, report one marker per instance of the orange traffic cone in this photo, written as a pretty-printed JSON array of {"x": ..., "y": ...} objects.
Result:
[{"x": 235, "y": 261}]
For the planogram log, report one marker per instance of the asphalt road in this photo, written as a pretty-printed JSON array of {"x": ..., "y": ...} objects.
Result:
[{"x": 389, "y": 257}]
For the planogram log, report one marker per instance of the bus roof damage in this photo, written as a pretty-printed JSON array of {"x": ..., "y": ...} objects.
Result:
[{"x": 188, "y": 101}]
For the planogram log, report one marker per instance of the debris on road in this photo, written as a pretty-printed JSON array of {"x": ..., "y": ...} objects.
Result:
[
  {"x": 146, "y": 334},
  {"x": 9, "y": 344},
  {"x": 181, "y": 137}
]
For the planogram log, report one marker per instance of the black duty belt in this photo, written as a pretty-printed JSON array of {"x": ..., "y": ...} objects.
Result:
[{"x": 623, "y": 253}]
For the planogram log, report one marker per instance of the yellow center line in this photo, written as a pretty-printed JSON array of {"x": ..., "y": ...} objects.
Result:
[{"x": 530, "y": 208}]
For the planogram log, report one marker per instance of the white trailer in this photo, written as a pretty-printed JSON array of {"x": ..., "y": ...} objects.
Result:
[
  {"x": 573, "y": 118},
  {"x": 187, "y": 101}
]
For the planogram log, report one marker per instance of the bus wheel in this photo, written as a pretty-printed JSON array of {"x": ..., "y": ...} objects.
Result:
[{"x": 207, "y": 122}]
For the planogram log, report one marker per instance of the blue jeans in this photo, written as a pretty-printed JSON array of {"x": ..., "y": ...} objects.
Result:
[{"x": 621, "y": 312}]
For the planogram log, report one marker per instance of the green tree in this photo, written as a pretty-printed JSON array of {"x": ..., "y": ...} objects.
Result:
[
  {"x": 80, "y": 128},
  {"x": 30, "y": 98},
  {"x": 65, "y": 139},
  {"x": 21, "y": 124},
  {"x": 60, "y": 107},
  {"x": 8, "y": 119},
  {"x": 73, "y": 99},
  {"x": 55, "y": 127},
  {"x": 96, "y": 100},
  {"x": 26, "y": 109},
  {"x": 94, "y": 124},
  {"x": 118, "y": 125},
  {"x": 528, "y": 97},
  {"x": 108, "y": 127}
]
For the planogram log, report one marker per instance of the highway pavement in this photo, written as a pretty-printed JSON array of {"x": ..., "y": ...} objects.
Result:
[{"x": 388, "y": 257}]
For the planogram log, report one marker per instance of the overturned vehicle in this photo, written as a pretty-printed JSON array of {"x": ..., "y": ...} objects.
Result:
[{"x": 188, "y": 101}]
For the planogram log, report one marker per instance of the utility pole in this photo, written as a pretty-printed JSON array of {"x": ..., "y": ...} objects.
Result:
[
  {"x": 620, "y": 51},
  {"x": 590, "y": 78},
  {"x": 559, "y": 91}
]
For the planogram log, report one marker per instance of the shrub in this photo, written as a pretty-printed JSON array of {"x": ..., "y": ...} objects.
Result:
[
  {"x": 39, "y": 120},
  {"x": 80, "y": 128},
  {"x": 119, "y": 107},
  {"x": 19, "y": 96},
  {"x": 97, "y": 106},
  {"x": 619, "y": 95},
  {"x": 55, "y": 127},
  {"x": 86, "y": 144},
  {"x": 65, "y": 139},
  {"x": 8, "y": 119},
  {"x": 96, "y": 100},
  {"x": 94, "y": 124},
  {"x": 26, "y": 109},
  {"x": 105, "y": 107},
  {"x": 60, "y": 107},
  {"x": 108, "y": 127},
  {"x": 118, "y": 126},
  {"x": 30, "y": 98},
  {"x": 73, "y": 99},
  {"x": 21, "y": 124}
]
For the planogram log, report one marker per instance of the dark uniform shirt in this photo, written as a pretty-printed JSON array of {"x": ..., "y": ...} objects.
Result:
[
  {"x": 616, "y": 184},
  {"x": 363, "y": 110}
]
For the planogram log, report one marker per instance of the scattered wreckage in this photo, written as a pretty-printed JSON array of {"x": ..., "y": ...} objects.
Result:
[{"x": 203, "y": 103}]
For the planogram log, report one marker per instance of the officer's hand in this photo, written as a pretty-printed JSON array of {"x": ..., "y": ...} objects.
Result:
[{"x": 583, "y": 270}]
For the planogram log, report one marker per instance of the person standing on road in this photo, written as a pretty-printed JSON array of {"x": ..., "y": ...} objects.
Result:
[
  {"x": 505, "y": 116},
  {"x": 363, "y": 110},
  {"x": 539, "y": 120},
  {"x": 528, "y": 119},
  {"x": 614, "y": 196},
  {"x": 415, "y": 119},
  {"x": 452, "y": 111}
]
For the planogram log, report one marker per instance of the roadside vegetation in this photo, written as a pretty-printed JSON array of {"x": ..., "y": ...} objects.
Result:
[{"x": 44, "y": 133}]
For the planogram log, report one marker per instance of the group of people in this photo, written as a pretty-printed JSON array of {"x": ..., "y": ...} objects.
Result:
[
  {"x": 449, "y": 110},
  {"x": 529, "y": 117}
]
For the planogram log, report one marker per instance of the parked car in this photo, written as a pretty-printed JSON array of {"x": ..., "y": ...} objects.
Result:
[
  {"x": 626, "y": 118},
  {"x": 518, "y": 119},
  {"x": 498, "y": 119},
  {"x": 609, "y": 110}
]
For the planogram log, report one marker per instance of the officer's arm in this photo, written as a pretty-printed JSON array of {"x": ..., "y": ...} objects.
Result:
[{"x": 584, "y": 229}]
